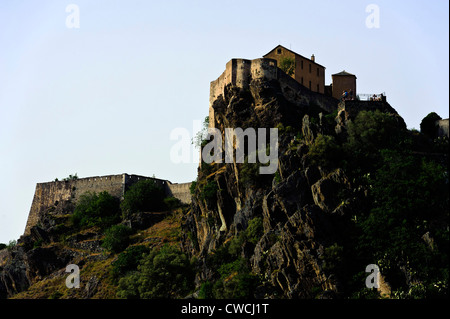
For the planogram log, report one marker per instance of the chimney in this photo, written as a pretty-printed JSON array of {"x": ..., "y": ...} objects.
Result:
[{"x": 313, "y": 58}]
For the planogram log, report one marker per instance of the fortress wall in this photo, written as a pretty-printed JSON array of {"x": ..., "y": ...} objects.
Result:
[
  {"x": 297, "y": 93},
  {"x": 264, "y": 68},
  {"x": 51, "y": 194},
  {"x": 112, "y": 184},
  {"x": 240, "y": 72},
  {"x": 443, "y": 129},
  {"x": 180, "y": 191},
  {"x": 217, "y": 88},
  {"x": 45, "y": 196}
]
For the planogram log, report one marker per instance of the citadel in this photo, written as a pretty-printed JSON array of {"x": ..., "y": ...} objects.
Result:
[{"x": 306, "y": 84}]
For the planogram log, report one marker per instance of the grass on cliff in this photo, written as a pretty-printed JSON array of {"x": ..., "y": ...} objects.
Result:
[{"x": 96, "y": 268}]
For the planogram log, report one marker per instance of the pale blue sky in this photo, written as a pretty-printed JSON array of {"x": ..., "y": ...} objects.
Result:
[{"x": 103, "y": 99}]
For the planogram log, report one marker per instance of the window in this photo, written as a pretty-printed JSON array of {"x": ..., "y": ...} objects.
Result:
[
  {"x": 318, "y": 72},
  {"x": 278, "y": 51}
]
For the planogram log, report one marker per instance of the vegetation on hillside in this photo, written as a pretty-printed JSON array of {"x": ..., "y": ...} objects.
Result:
[
  {"x": 399, "y": 186},
  {"x": 401, "y": 223}
]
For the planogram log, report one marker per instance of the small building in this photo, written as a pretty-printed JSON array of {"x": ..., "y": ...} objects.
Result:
[
  {"x": 343, "y": 81},
  {"x": 306, "y": 71}
]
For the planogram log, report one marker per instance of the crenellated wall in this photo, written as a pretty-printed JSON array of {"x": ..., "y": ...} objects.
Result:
[
  {"x": 52, "y": 194},
  {"x": 239, "y": 72}
]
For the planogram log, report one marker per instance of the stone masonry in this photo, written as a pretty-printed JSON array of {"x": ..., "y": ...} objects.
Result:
[{"x": 51, "y": 194}]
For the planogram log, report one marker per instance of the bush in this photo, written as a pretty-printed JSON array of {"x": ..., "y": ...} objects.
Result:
[
  {"x": 287, "y": 64},
  {"x": 235, "y": 281},
  {"x": 164, "y": 273},
  {"x": 172, "y": 202},
  {"x": 128, "y": 260},
  {"x": 372, "y": 131},
  {"x": 369, "y": 133},
  {"x": 96, "y": 210},
  {"x": 249, "y": 175},
  {"x": 144, "y": 196},
  {"x": 206, "y": 290},
  {"x": 324, "y": 151},
  {"x": 252, "y": 234},
  {"x": 193, "y": 187},
  {"x": 209, "y": 191},
  {"x": 117, "y": 238},
  {"x": 254, "y": 230},
  {"x": 410, "y": 199},
  {"x": 129, "y": 286},
  {"x": 329, "y": 120}
]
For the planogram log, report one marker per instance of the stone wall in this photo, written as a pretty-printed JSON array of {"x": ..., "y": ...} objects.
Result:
[
  {"x": 353, "y": 107},
  {"x": 240, "y": 73},
  {"x": 442, "y": 127},
  {"x": 180, "y": 191},
  {"x": 300, "y": 95},
  {"x": 47, "y": 195},
  {"x": 53, "y": 194}
]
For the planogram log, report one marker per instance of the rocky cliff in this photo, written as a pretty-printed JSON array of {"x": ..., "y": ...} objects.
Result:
[{"x": 292, "y": 229}]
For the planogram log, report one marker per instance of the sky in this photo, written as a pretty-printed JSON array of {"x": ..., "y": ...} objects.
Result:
[{"x": 97, "y": 90}]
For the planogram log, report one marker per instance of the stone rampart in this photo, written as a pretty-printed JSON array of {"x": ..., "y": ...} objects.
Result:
[
  {"x": 53, "y": 194},
  {"x": 180, "y": 191},
  {"x": 442, "y": 128},
  {"x": 241, "y": 72}
]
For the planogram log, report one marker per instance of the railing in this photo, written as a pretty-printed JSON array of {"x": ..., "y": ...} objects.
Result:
[{"x": 371, "y": 97}]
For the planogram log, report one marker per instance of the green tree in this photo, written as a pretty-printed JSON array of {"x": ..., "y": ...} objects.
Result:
[
  {"x": 117, "y": 238},
  {"x": 128, "y": 260},
  {"x": 235, "y": 282},
  {"x": 129, "y": 286},
  {"x": 209, "y": 191},
  {"x": 428, "y": 125},
  {"x": 287, "y": 64},
  {"x": 368, "y": 134},
  {"x": 94, "y": 209},
  {"x": 164, "y": 273},
  {"x": 324, "y": 151},
  {"x": 200, "y": 137},
  {"x": 172, "y": 202},
  {"x": 144, "y": 196},
  {"x": 410, "y": 199}
]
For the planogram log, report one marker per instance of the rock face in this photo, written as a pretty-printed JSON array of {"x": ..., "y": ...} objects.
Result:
[
  {"x": 27, "y": 262},
  {"x": 301, "y": 206}
]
